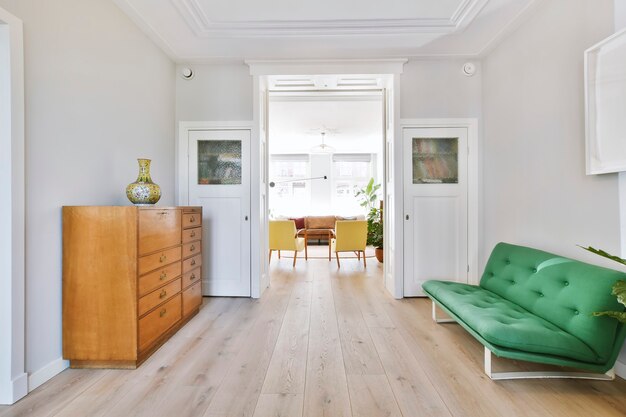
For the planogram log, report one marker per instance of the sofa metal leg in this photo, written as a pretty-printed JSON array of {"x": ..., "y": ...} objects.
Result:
[
  {"x": 496, "y": 376},
  {"x": 438, "y": 320}
]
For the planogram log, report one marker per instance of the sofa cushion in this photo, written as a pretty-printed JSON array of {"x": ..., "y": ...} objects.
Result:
[
  {"x": 504, "y": 323},
  {"x": 299, "y": 222},
  {"x": 562, "y": 291},
  {"x": 320, "y": 222}
]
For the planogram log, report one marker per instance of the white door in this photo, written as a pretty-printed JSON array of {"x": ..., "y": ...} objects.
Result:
[
  {"x": 219, "y": 181},
  {"x": 435, "y": 206}
]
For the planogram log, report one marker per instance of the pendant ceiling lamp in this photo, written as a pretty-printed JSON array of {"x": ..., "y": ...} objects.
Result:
[{"x": 322, "y": 147}]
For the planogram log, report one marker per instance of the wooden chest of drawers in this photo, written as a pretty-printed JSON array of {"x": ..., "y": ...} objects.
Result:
[{"x": 131, "y": 279}]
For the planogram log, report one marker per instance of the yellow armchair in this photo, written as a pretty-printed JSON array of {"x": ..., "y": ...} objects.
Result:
[
  {"x": 283, "y": 237},
  {"x": 351, "y": 236}
]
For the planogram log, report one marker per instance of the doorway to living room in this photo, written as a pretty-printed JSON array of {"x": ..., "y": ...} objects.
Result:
[
  {"x": 340, "y": 76},
  {"x": 326, "y": 166}
]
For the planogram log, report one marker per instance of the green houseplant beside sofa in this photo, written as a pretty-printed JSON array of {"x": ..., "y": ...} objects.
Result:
[{"x": 534, "y": 306}]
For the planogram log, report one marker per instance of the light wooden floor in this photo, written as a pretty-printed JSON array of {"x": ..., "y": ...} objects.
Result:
[{"x": 321, "y": 342}]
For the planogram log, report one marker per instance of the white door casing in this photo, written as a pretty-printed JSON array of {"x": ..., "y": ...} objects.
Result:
[
  {"x": 226, "y": 214},
  {"x": 435, "y": 214},
  {"x": 13, "y": 378},
  {"x": 260, "y": 225},
  {"x": 393, "y": 268}
]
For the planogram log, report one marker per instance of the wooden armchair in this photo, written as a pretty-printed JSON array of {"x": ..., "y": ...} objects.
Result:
[
  {"x": 351, "y": 236},
  {"x": 283, "y": 237}
]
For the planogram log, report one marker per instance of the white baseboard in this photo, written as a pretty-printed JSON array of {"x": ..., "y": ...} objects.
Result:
[
  {"x": 39, "y": 377},
  {"x": 13, "y": 390},
  {"x": 620, "y": 369}
]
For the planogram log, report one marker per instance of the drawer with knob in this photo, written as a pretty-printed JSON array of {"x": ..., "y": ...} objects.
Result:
[
  {"x": 157, "y": 322},
  {"x": 151, "y": 262},
  {"x": 191, "y": 277},
  {"x": 192, "y": 263},
  {"x": 190, "y": 235},
  {"x": 158, "y": 229},
  {"x": 156, "y": 297},
  {"x": 191, "y": 220},
  {"x": 157, "y": 278},
  {"x": 191, "y": 249}
]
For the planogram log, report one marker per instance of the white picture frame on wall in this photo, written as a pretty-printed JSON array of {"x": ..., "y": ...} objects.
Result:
[{"x": 605, "y": 105}]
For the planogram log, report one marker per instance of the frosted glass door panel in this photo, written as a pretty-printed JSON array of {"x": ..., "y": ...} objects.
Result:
[
  {"x": 219, "y": 162},
  {"x": 435, "y": 160}
]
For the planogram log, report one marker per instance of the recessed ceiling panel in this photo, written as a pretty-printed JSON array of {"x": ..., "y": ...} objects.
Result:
[
  {"x": 201, "y": 30},
  {"x": 222, "y": 11}
]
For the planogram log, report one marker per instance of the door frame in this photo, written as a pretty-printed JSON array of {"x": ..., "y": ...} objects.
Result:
[
  {"x": 474, "y": 183},
  {"x": 181, "y": 191},
  {"x": 13, "y": 378},
  {"x": 390, "y": 70}
]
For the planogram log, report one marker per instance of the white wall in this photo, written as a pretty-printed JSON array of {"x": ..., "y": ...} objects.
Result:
[
  {"x": 430, "y": 88},
  {"x": 217, "y": 92},
  {"x": 438, "y": 89},
  {"x": 99, "y": 94},
  {"x": 536, "y": 192}
]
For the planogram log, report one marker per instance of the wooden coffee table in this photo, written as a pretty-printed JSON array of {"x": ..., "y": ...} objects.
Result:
[{"x": 330, "y": 234}]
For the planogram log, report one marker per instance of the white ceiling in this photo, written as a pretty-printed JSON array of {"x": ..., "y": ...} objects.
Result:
[
  {"x": 206, "y": 30},
  {"x": 354, "y": 124}
]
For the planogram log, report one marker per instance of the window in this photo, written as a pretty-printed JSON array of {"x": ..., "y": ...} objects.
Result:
[
  {"x": 351, "y": 172},
  {"x": 289, "y": 197}
]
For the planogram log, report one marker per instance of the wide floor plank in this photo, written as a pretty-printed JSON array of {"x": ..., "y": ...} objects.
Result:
[
  {"x": 279, "y": 405},
  {"x": 326, "y": 391},
  {"x": 371, "y": 396},
  {"x": 287, "y": 369}
]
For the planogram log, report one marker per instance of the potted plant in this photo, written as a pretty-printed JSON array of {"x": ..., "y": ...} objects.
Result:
[
  {"x": 375, "y": 231},
  {"x": 619, "y": 289},
  {"x": 368, "y": 196}
]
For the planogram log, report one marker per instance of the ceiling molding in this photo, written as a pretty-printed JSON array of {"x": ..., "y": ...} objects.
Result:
[
  {"x": 467, "y": 12},
  {"x": 198, "y": 21},
  {"x": 326, "y": 66}
]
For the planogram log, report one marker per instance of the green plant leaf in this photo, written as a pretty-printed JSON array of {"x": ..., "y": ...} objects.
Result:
[
  {"x": 604, "y": 254},
  {"x": 620, "y": 316},
  {"x": 619, "y": 290}
]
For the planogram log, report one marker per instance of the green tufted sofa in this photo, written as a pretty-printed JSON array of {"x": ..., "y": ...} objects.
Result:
[{"x": 535, "y": 306}]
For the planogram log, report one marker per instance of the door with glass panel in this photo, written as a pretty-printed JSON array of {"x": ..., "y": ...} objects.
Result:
[
  {"x": 219, "y": 181},
  {"x": 435, "y": 206}
]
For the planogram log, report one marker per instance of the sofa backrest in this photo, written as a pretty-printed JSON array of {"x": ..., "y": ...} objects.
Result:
[
  {"x": 562, "y": 291},
  {"x": 319, "y": 222}
]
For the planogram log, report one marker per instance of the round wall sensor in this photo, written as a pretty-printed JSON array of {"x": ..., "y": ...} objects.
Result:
[
  {"x": 469, "y": 69},
  {"x": 186, "y": 73}
]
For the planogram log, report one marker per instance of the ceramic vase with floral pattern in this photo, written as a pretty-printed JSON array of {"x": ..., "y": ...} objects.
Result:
[{"x": 143, "y": 191}]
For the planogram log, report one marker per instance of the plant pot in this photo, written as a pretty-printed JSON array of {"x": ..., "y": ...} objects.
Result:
[{"x": 379, "y": 254}]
